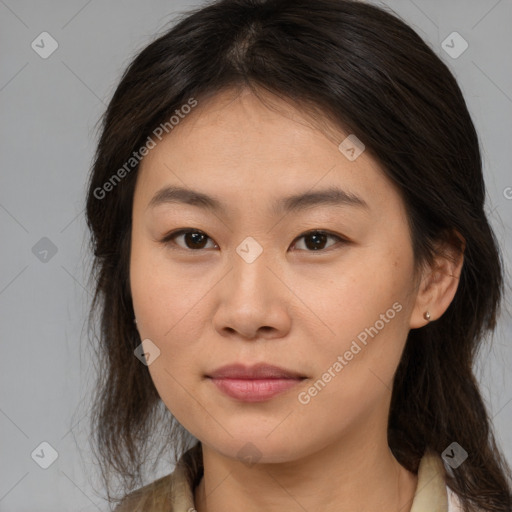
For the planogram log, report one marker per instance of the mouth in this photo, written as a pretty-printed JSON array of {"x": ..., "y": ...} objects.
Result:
[{"x": 256, "y": 383}]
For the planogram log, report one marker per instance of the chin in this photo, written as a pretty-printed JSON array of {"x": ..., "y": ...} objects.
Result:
[{"x": 258, "y": 447}]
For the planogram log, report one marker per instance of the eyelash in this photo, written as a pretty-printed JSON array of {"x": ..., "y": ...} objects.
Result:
[{"x": 168, "y": 239}]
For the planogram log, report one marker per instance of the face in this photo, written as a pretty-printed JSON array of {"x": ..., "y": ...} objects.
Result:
[{"x": 323, "y": 290}]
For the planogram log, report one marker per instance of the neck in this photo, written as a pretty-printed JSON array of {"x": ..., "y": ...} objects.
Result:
[{"x": 343, "y": 476}]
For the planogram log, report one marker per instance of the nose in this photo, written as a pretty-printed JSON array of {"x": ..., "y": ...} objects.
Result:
[{"x": 253, "y": 301}]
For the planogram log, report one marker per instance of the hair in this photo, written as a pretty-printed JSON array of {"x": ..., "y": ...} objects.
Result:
[{"x": 372, "y": 74}]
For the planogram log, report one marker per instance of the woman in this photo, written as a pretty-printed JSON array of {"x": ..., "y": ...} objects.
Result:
[{"x": 294, "y": 268}]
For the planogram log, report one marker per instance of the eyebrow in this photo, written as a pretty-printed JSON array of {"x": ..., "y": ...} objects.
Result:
[{"x": 328, "y": 197}]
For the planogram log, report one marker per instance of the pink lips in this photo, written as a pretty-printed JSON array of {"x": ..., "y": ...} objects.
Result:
[{"x": 254, "y": 384}]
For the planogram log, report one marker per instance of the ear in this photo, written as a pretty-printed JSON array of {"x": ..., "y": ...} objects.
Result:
[{"x": 439, "y": 280}]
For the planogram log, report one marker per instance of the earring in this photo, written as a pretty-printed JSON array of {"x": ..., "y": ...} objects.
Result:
[
  {"x": 134, "y": 320},
  {"x": 426, "y": 316}
]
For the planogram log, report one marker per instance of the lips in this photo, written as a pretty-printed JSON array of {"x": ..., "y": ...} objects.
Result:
[
  {"x": 258, "y": 371},
  {"x": 255, "y": 383}
]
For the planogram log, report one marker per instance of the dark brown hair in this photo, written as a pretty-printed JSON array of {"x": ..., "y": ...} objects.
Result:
[{"x": 371, "y": 73}]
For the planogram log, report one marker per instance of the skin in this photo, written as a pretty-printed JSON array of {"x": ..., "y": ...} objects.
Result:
[{"x": 293, "y": 307}]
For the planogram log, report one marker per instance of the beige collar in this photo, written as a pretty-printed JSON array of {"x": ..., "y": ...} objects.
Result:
[{"x": 430, "y": 495}]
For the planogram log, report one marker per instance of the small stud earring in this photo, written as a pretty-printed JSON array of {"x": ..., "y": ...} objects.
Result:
[
  {"x": 426, "y": 316},
  {"x": 134, "y": 320}
]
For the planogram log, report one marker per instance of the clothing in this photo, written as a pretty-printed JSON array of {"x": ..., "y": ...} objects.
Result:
[
  {"x": 454, "y": 504},
  {"x": 175, "y": 492}
]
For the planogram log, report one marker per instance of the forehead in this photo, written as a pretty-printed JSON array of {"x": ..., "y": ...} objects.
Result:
[{"x": 237, "y": 148}]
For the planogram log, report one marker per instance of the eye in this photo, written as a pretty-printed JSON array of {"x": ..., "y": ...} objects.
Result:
[
  {"x": 315, "y": 240},
  {"x": 196, "y": 240},
  {"x": 193, "y": 238}
]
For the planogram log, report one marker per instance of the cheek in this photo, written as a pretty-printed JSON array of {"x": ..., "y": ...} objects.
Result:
[
  {"x": 355, "y": 368},
  {"x": 163, "y": 297},
  {"x": 165, "y": 314},
  {"x": 364, "y": 289},
  {"x": 367, "y": 310},
  {"x": 167, "y": 305}
]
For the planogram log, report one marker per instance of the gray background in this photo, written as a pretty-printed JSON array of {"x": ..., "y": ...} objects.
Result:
[{"x": 49, "y": 108}]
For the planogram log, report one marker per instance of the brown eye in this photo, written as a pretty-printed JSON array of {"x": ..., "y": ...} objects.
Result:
[
  {"x": 316, "y": 240},
  {"x": 192, "y": 239}
]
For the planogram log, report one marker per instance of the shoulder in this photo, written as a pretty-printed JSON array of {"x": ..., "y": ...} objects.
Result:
[
  {"x": 154, "y": 497},
  {"x": 454, "y": 504},
  {"x": 432, "y": 482},
  {"x": 174, "y": 491}
]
